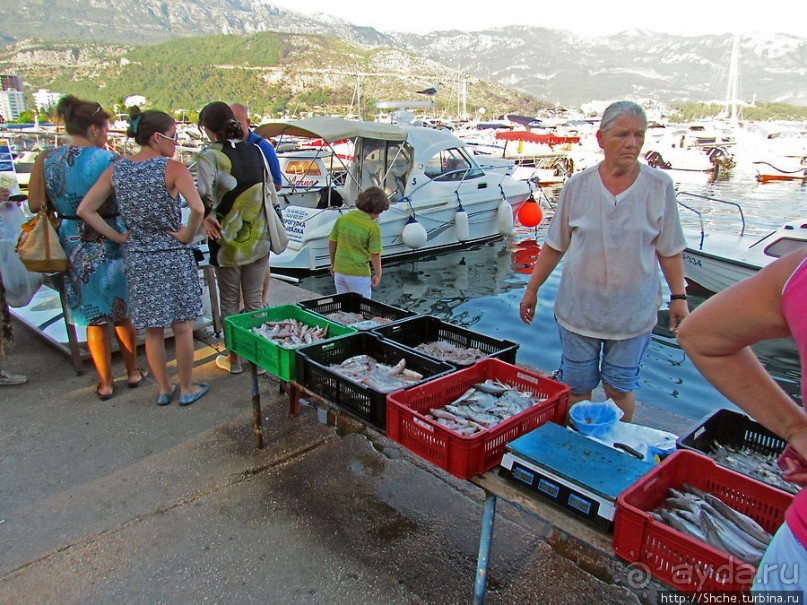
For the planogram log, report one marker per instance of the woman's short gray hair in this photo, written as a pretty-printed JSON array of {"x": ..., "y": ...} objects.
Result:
[{"x": 621, "y": 108}]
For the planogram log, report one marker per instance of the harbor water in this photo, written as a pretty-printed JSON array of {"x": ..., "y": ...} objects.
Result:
[{"x": 480, "y": 288}]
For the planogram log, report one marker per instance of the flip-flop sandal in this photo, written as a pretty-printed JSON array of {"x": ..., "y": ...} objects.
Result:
[
  {"x": 137, "y": 383},
  {"x": 103, "y": 396}
]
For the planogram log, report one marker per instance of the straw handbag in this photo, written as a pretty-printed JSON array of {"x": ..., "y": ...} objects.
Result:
[{"x": 38, "y": 246}]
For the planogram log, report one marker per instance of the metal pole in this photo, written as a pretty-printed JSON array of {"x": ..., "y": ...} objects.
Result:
[
  {"x": 484, "y": 548},
  {"x": 256, "y": 408}
]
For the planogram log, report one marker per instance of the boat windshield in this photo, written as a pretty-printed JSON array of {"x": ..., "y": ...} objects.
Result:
[
  {"x": 784, "y": 246},
  {"x": 451, "y": 165},
  {"x": 384, "y": 164}
]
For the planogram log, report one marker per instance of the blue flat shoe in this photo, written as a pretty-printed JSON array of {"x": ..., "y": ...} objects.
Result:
[
  {"x": 166, "y": 398},
  {"x": 194, "y": 397}
]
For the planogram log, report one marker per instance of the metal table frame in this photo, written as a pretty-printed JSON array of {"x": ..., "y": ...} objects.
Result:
[{"x": 569, "y": 528}]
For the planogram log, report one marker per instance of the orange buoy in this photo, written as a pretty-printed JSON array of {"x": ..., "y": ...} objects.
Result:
[{"x": 530, "y": 213}]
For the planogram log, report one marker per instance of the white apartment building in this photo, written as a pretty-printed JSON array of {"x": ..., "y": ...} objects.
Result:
[
  {"x": 12, "y": 104},
  {"x": 45, "y": 99}
]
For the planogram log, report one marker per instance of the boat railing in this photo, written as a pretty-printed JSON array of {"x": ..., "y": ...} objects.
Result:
[{"x": 699, "y": 213}]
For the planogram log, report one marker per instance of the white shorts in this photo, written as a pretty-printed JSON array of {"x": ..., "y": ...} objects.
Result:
[{"x": 352, "y": 283}]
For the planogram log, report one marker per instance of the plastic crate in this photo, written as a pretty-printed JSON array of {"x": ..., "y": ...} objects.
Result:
[
  {"x": 735, "y": 429},
  {"x": 464, "y": 456},
  {"x": 426, "y": 328},
  {"x": 352, "y": 302},
  {"x": 275, "y": 358},
  {"x": 314, "y": 374},
  {"x": 687, "y": 564}
]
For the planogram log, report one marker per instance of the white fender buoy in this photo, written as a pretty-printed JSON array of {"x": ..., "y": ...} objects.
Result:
[
  {"x": 504, "y": 214},
  {"x": 414, "y": 234},
  {"x": 461, "y": 227}
]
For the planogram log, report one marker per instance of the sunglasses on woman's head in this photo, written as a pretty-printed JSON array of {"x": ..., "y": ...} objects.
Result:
[{"x": 98, "y": 109}]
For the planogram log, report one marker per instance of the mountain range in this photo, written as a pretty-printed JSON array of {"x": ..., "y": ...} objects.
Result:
[{"x": 553, "y": 65}]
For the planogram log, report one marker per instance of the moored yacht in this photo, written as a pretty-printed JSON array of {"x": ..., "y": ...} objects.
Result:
[{"x": 440, "y": 198}]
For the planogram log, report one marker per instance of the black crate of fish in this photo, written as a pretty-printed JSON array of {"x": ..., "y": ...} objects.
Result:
[
  {"x": 354, "y": 310},
  {"x": 740, "y": 443},
  {"x": 270, "y": 337},
  {"x": 438, "y": 339},
  {"x": 462, "y": 422},
  {"x": 356, "y": 372},
  {"x": 696, "y": 525}
]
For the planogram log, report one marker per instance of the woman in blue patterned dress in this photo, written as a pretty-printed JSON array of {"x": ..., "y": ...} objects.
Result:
[
  {"x": 95, "y": 283},
  {"x": 164, "y": 286}
]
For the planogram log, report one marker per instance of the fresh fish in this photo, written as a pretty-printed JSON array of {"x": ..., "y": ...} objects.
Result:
[
  {"x": 487, "y": 404},
  {"x": 729, "y": 540},
  {"x": 753, "y": 463},
  {"x": 380, "y": 377},
  {"x": 397, "y": 368},
  {"x": 448, "y": 351},
  {"x": 681, "y": 524},
  {"x": 746, "y": 523},
  {"x": 290, "y": 332},
  {"x": 492, "y": 387},
  {"x": 463, "y": 397},
  {"x": 705, "y": 517}
]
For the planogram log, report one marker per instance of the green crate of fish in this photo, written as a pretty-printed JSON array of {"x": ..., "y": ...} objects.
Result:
[
  {"x": 336, "y": 370},
  {"x": 354, "y": 310},
  {"x": 441, "y": 340},
  {"x": 248, "y": 335},
  {"x": 424, "y": 419},
  {"x": 742, "y": 444},
  {"x": 723, "y": 559}
]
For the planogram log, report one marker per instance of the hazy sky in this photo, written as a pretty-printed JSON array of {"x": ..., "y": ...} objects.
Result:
[{"x": 590, "y": 17}]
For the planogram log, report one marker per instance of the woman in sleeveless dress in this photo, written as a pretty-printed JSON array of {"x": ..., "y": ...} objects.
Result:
[
  {"x": 95, "y": 283},
  {"x": 718, "y": 338},
  {"x": 163, "y": 283},
  {"x": 231, "y": 179}
]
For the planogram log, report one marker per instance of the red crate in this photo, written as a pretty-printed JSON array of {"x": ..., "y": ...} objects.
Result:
[
  {"x": 687, "y": 564},
  {"x": 463, "y": 456}
]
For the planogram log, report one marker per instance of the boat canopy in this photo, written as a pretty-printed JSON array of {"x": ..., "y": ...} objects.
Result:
[{"x": 332, "y": 129}]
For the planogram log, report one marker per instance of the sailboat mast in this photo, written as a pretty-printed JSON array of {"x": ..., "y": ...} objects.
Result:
[{"x": 732, "y": 91}]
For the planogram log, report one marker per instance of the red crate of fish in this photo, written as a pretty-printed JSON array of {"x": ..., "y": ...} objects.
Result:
[
  {"x": 464, "y": 456},
  {"x": 425, "y": 329},
  {"x": 685, "y": 563}
]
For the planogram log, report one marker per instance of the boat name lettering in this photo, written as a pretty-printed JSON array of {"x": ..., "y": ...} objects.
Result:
[
  {"x": 302, "y": 183},
  {"x": 692, "y": 260}
]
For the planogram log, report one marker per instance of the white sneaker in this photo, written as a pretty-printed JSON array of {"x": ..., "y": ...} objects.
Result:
[{"x": 223, "y": 363}]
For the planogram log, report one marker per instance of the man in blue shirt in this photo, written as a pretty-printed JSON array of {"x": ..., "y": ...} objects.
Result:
[{"x": 242, "y": 115}]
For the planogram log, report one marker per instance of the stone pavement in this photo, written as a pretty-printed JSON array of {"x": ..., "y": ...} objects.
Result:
[{"x": 127, "y": 502}]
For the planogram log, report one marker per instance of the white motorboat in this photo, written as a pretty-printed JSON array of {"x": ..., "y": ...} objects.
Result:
[
  {"x": 440, "y": 197},
  {"x": 715, "y": 261}
]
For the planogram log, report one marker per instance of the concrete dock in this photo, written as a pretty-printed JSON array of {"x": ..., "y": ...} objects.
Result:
[{"x": 127, "y": 502}]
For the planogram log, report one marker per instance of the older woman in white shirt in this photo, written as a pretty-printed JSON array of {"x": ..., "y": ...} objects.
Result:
[{"x": 616, "y": 223}]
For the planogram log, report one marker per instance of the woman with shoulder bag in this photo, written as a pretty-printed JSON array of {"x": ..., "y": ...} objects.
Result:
[
  {"x": 231, "y": 175},
  {"x": 95, "y": 284}
]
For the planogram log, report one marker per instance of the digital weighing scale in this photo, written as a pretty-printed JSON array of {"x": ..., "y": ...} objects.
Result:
[{"x": 573, "y": 472}]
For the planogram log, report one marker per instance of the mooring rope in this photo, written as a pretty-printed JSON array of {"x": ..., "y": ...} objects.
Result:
[{"x": 779, "y": 169}]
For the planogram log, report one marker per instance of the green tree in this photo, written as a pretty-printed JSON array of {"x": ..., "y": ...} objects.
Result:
[{"x": 26, "y": 117}]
